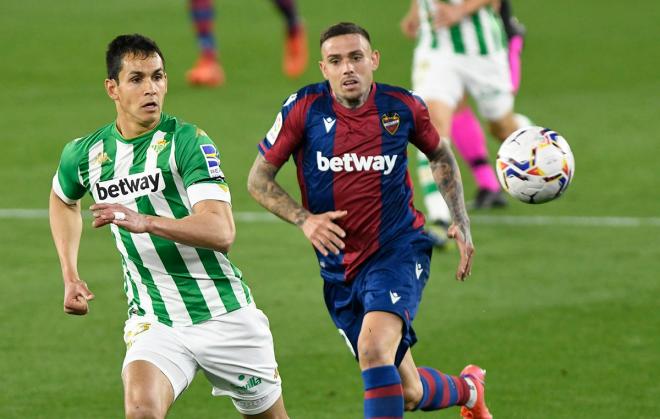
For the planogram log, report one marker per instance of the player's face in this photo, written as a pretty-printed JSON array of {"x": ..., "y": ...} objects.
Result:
[
  {"x": 348, "y": 64},
  {"x": 140, "y": 91}
]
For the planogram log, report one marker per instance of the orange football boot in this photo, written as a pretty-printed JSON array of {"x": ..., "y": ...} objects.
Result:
[
  {"x": 478, "y": 377},
  {"x": 206, "y": 72},
  {"x": 294, "y": 61}
]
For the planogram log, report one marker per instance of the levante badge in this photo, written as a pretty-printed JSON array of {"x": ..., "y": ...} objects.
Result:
[{"x": 391, "y": 122}]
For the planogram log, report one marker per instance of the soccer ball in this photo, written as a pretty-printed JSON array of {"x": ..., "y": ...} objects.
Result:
[{"x": 535, "y": 165}]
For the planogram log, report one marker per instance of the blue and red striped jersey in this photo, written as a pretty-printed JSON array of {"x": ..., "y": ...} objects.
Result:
[{"x": 354, "y": 160}]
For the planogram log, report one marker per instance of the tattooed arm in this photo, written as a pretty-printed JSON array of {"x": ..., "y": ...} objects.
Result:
[
  {"x": 448, "y": 178},
  {"x": 320, "y": 229}
]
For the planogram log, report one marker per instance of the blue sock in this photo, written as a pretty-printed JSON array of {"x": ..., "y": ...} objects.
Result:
[
  {"x": 383, "y": 393},
  {"x": 441, "y": 390}
]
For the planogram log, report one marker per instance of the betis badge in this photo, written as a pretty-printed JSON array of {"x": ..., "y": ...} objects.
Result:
[{"x": 391, "y": 122}]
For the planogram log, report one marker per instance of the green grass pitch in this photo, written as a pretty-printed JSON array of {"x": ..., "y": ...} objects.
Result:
[{"x": 563, "y": 316}]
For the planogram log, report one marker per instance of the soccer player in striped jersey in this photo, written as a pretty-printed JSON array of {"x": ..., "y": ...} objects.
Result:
[
  {"x": 209, "y": 72},
  {"x": 348, "y": 137},
  {"x": 462, "y": 48},
  {"x": 157, "y": 184}
]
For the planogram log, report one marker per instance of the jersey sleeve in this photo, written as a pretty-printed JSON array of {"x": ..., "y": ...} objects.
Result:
[
  {"x": 198, "y": 162},
  {"x": 66, "y": 182},
  {"x": 287, "y": 132},
  {"x": 426, "y": 137}
]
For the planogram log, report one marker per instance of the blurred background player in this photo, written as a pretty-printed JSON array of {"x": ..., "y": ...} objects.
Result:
[
  {"x": 450, "y": 36},
  {"x": 208, "y": 70}
]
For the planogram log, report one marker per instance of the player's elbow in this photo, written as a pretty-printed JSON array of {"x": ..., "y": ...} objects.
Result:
[
  {"x": 253, "y": 184},
  {"x": 224, "y": 239},
  {"x": 251, "y": 187}
]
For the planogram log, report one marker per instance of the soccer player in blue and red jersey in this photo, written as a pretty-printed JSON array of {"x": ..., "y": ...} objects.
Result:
[
  {"x": 208, "y": 70},
  {"x": 348, "y": 138}
]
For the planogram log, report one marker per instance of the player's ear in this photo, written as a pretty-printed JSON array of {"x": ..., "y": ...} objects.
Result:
[
  {"x": 322, "y": 67},
  {"x": 375, "y": 59},
  {"x": 111, "y": 88}
]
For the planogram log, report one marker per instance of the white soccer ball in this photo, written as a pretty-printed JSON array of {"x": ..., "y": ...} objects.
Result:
[{"x": 535, "y": 165}]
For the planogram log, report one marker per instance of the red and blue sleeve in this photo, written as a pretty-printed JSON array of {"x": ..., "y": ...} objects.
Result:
[{"x": 287, "y": 133}]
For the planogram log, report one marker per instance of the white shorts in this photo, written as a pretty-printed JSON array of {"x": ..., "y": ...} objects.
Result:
[
  {"x": 235, "y": 352},
  {"x": 445, "y": 77}
]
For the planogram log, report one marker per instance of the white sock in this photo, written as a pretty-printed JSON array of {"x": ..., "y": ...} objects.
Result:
[{"x": 473, "y": 393}]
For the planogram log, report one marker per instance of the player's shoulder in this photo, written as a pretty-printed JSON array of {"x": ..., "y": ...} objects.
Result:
[
  {"x": 389, "y": 89},
  {"x": 306, "y": 94},
  {"x": 407, "y": 96},
  {"x": 183, "y": 131},
  {"x": 84, "y": 143}
]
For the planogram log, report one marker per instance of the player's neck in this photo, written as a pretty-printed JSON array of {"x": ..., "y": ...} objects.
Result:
[
  {"x": 353, "y": 103},
  {"x": 130, "y": 128}
]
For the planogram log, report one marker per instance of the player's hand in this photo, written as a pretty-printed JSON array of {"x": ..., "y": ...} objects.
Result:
[
  {"x": 120, "y": 216},
  {"x": 410, "y": 24},
  {"x": 464, "y": 241},
  {"x": 76, "y": 296},
  {"x": 447, "y": 15},
  {"x": 325, "y": 235}
]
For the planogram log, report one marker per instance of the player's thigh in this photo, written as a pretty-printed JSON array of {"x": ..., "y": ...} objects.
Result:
[
  {"x": 151, "y": 346},
  {"x": 440, "y": 114},
  {"x": 504, "y": 126},
  {"x": 146, "y": 389},
  {"x": 276, "y": 411},
  {"x": 436, "y": 78},
  {"x": 488, "y": 81},
  {"x": 236, "y": 353}
]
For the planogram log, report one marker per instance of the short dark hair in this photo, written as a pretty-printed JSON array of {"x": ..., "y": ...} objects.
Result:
[
  {"x": 344, "y": 28},
  {"x": 136, "y": 44}
]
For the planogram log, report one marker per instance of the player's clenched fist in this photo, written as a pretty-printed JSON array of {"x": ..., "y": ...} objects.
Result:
[{"x": 76, "y": 296}]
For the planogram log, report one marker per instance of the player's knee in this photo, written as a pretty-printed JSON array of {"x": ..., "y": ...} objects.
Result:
[
  {"x": 143, "y": 412},
  {"x": 373, "y": 353},
  {"x": 502, "y": 128},
  {"x": 412, "y": 395},
  {"x": 143, "y": 409}
]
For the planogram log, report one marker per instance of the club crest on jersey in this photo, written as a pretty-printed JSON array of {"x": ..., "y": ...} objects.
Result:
[
  {"x": 391, "y": 122},
  {"x": 159, "y": 145},
  {"x": 212, "y": 160}
]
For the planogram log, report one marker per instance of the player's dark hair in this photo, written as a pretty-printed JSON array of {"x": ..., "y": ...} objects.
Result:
[
  {"x": 135, "y": 44},
  {"x": 344, "y": 28}
]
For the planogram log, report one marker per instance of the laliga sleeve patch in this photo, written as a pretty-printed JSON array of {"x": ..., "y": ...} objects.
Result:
[
  {"x": 212, "y": 160},
  {"x": 271, "y": 136}
]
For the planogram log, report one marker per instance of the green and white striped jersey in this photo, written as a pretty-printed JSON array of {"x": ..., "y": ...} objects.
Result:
[
  {"x": 163, "y": 172},
  {"x": 479, "y": 34}
]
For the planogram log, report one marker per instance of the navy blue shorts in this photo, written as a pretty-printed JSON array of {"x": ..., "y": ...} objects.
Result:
[{"x": 392, "y": 280}]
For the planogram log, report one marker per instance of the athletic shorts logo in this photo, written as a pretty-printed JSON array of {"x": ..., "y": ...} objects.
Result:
[
  {"x": 418, "y": 270},
  {"x": 248, "y": 386},
  {"x": 212, "y": 160},
  {"x": 121, "y": 190},
  {"x": 394, "y": 297},
  {"x": 391, "y": 122}
]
